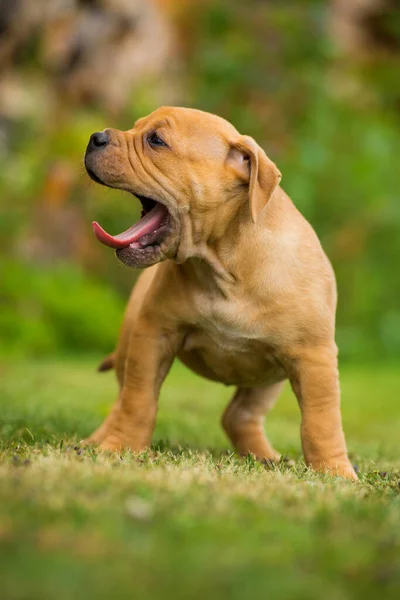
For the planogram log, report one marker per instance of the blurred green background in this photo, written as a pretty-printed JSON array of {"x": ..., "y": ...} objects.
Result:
[{"x": 317, "y": 83}]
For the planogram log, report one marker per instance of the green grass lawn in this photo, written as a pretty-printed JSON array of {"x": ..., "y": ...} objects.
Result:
[{"x": 188, "y": 519}]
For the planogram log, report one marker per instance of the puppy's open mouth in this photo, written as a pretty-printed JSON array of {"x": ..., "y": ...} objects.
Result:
[{"x": 149, "y": 231}]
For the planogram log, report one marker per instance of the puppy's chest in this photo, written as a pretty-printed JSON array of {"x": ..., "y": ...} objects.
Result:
[
  {"x": 230, "y": 343},
  {"x": 234, "y": 324},
  {"x": 203, "y": 337},
  {"x": 230, "y": 358}
]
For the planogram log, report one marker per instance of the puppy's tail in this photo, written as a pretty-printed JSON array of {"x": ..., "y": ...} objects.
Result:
[{"x": 107, "y": 364}]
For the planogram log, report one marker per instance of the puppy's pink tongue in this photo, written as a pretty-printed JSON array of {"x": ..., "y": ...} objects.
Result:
[{"x": 146, "y": 225}]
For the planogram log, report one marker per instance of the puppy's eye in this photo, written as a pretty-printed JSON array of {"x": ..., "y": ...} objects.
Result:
[{"x": 155, "y": 140}]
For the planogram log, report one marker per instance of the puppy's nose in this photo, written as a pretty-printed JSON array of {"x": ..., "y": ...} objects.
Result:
[{"x": 100, "y": 139}]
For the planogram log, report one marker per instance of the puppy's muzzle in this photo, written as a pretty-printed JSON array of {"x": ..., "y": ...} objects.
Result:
[{"x": 98, "y": 140}]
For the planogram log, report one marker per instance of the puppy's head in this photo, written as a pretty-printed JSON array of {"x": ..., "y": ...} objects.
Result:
[{"x": 192, "y": 172}]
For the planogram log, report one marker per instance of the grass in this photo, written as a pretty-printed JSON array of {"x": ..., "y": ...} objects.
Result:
[{"x": 188, "y": 519}]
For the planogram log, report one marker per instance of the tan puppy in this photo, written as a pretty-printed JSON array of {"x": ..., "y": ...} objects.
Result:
[{"x": 242, "y": 293}]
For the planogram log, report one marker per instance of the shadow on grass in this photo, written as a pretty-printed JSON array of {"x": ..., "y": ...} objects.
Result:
[{"x": 216, "y": 453}]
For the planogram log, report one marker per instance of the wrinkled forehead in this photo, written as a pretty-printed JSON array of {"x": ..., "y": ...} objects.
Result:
[{"x": 187, "y": 123}]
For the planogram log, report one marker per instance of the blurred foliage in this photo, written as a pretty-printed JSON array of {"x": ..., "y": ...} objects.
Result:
[
  {"x": 327, "y": 115},
  {"x": 49, "y": 309}
]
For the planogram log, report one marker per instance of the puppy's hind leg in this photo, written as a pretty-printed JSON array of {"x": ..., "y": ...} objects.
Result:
[{"x": 243, "y": 420}]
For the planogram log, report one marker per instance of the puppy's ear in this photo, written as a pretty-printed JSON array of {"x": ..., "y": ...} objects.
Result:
[{"x": 252, "y": 166}]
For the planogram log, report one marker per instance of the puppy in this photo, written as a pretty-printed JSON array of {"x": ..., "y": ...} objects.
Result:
[{"x": 236, "y": 285}]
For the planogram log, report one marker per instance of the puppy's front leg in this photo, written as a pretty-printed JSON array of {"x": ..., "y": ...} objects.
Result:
[
  {"x": 152, "y": 349},
  {"x": 315, "y": 381}
]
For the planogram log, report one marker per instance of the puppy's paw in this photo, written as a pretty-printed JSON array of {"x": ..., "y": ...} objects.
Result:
[
  {"x": 92, "y": 440},
  {"x": 117, "y": 443},
  {"x": 344, "y": 470},
  {"x": 348, "y": 473},
  {"x": 112, "y": 444},
  {"x": 87, "y": 442}
]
